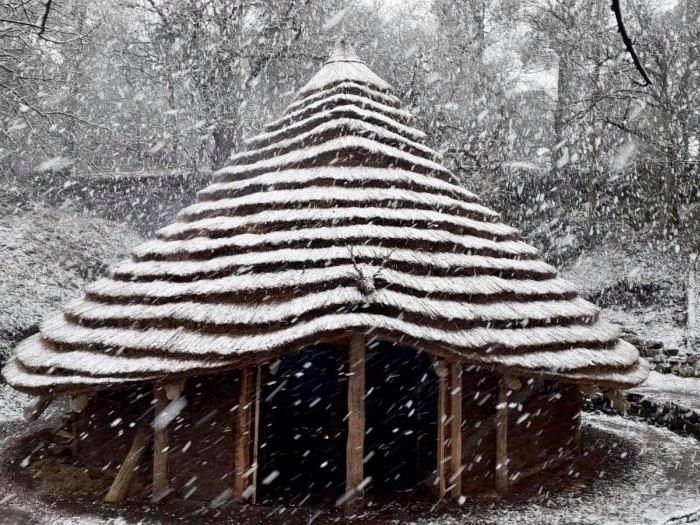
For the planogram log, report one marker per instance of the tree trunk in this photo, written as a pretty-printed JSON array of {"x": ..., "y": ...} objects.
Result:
[
  {"x": 563, "y": 96},
  {"x": 224, "y": 142}
]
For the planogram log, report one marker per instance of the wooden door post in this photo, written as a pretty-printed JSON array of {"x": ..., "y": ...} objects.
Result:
[
  {"x": 355, "y": 449},
  {"x": 242, "y": 437},
  {"x": 502, "y": 438},
  {"x": 442, "y": 419},
  {"x": 256, "y": 434},
  {"x": 455, "y": 479}
]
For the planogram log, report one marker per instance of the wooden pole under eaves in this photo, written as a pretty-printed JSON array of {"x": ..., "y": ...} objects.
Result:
[
  {"x": 441, "y": 434},
  {"x": 455, "y": 478},
  {"x": 242, "y": 437},
  {"x": 355, "y": 448},
  {"x": 161, "y": 477},
  {"x": 256, "y": 434},
  {"x": 502, "y": 438},
  {"x": 444, "y": 426}
]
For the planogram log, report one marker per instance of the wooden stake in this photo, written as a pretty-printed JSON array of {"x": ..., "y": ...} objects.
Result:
[
  {"x": 127, "y": 472},
  {"x": 161, "y": 475},
  {"x": 455, "y": 478},
  {"x": 502, "y": 438},
  {"x": 242, "y": 437},
  {"x": 355, "y": 449}
]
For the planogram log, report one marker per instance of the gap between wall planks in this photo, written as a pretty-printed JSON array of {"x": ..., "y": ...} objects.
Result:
[{"x": 355, "y": 448}]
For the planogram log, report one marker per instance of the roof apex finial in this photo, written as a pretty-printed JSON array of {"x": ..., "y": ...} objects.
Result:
[{"x": 343, "y": 52}]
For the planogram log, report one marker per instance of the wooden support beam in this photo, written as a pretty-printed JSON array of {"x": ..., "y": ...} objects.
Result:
[
  {"x": 161, "y": 474},
  {"x": 455, "y": 478},
  {"x": 242, "y": 437},
  {"x": 502, "y": 438},
  {"x": 256, "y": 434},
  {"x": 36, "y": 407},
  {"x": 442, "y": 416},
  {"x": 355, "y": 449},
  {"x": 127, "y": 472}
]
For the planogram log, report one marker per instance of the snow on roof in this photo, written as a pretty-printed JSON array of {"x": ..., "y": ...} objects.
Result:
[
  {"x": 215, "y": 226},
  {"x": 342, "y": 99},
  {"x": 365, "y": 176},
  {"x": 345, "y": 87},
  {"x": 348, "y": 126},
  {"x": 269, "y": 282},
  {"x": 335, "y": 196},
  {"x": 349, "y": 111},
  {"x": 344, "y": 148},
  {"x": 340, "y": 222},
  {"x": 343, "y": 65},
  {"x": 444, "y": 262},
  {"x": 198, "y": 246}
]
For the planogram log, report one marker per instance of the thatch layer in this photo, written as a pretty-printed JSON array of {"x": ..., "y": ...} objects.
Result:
[{"x": 338, "y": 221}]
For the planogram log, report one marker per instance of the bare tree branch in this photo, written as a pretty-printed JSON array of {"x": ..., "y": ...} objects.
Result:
[
  {"x": 628, "y": 42},
  {"x": 45, "y": 17}
]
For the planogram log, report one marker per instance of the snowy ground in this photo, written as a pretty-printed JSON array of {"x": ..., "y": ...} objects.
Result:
[
  {"x": 684, "y": 391},
  {"x": 46, "y": 257},
  {"x": 662, "y": 481}
]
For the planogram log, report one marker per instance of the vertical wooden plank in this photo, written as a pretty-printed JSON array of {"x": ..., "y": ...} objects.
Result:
[
  {"x": 242, "y": 436},
  {"x": 442, "y": 416},
  {"x": 455, "y": 478},
  {"x": 355, "y": 448},
  {"x": 502, "y": 438},
  {"x": 161, "y": 474},
  {"x": 256, "y": 434}
]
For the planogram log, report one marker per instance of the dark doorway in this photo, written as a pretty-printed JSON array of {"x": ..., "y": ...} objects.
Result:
[
  {"x": 303, "y": 424},
  {"x": 302, "y": 430},
  {"x": 401, "y": 420}
]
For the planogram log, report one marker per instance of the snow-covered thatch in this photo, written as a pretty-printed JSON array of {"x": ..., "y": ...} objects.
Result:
[{"x": 337, "y": 221}]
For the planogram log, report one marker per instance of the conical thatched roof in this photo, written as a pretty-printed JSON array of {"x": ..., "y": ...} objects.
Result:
[{"x": 336, "y": 220}]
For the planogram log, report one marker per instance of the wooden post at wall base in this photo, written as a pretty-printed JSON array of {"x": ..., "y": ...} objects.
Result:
[
  {"x": 242, "y": 491},
  {"x": 455, "y": 477},
  {"x": 256, "y": 434},
  {"x": 161, "y": 474},
  {"x": 355, "y": 449},
  {"x": 127, "y": 472},
  {"x": 442, "y": 416},
  {"x": 502, "y": 438},
  {"x": 78, "y": 403}
]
